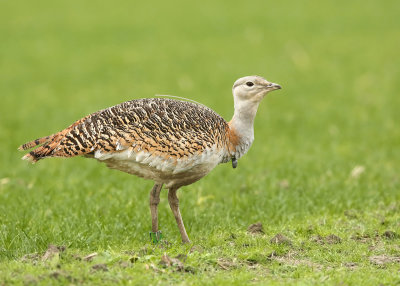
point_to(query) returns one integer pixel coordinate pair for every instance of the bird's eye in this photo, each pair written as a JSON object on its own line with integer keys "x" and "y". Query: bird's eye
{"x": 249, "y": 83}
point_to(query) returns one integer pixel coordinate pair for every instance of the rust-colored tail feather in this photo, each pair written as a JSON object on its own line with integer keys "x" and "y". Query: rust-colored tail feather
{"x": 36, "y": 142}
{"x": 31, "y": 157}
{"x": 66, "y": 143}
{"x": 39, "y": 152}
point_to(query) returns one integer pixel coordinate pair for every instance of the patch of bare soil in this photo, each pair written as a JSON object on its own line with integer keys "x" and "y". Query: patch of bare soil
{"x": 364, "y": 238}
{"x": 291, "y": 258}
{"x": 329, "y": 239}
{"x": 52, "y": 251}
{"x": 227, "y": 264}
{"x": 31, "y": 258}
{"x": 390, "y": 235}
{"x": 175, "y": 263}
{"x": 100, "y": 267}
{"x": 52, "y": 255}
{"x": 56, "y": 274}
{"x": 317, "y": 239}
{"x": 299, "y": 262}
{"x": 377, "y": 246}
{"x": 256, "y": 228}
{"x": 351, "y": 265}
{"x": 59, "y": 274}
{"x": 333, "y": 239}
{"x": 280, "y": 239}
{"x": 384, "y": 259}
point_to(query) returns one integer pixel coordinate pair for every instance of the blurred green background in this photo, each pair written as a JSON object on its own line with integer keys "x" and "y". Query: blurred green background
{"x": 338, "y": 63}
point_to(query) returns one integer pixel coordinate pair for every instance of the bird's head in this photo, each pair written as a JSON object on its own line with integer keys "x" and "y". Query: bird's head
{"x": 252, "y": 88}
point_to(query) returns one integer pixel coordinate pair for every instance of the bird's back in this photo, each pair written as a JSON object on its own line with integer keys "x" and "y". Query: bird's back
{"x": 152, "y": 138}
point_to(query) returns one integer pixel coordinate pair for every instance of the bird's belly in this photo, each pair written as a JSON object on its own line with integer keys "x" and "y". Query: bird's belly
{"x": 167, "y": 170}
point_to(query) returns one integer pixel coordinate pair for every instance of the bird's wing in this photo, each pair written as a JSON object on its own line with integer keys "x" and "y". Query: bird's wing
{"x": 163, "y": 127}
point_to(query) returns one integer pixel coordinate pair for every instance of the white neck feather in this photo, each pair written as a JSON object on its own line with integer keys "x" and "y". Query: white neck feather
{"x": 243, "y": 124}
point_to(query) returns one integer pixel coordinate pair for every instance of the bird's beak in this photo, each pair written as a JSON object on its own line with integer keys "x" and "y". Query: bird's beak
{"x": 273, "y": 86}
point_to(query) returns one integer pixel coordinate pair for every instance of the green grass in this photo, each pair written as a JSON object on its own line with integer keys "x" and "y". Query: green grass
{"x": 338, "y": 63}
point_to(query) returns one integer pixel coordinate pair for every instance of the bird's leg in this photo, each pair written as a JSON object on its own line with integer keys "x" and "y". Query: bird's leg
{"x": 174, "y": 204}
{"x": 155, "y": 234}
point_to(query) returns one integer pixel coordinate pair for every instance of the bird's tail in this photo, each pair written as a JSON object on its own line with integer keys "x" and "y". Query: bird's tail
{"x": 38, "y": 153}
{"x": 33, "y": 143}
{"x": 74, "y": 140}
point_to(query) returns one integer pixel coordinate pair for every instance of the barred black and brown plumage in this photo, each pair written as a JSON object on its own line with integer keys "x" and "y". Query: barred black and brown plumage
{"x": 172, "y": 142}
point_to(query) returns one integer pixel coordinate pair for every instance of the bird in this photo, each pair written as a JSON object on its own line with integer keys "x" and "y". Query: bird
{"x": 171, "y": 142}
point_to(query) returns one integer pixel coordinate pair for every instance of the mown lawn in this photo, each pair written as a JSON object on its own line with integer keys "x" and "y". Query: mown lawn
{"x": 323, "y": 173}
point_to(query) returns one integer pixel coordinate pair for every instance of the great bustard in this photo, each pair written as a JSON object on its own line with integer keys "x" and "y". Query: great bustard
{"x": 172, "y": 142}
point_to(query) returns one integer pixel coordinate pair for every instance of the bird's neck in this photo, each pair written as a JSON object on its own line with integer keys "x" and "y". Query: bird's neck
{"x": 242, "y": 126}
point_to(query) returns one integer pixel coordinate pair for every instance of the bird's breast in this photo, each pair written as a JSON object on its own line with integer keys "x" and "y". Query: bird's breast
{"x": 238, "y": 144}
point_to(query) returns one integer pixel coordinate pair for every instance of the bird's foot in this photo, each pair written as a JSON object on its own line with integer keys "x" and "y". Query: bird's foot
{"x": 156, "y": 237}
